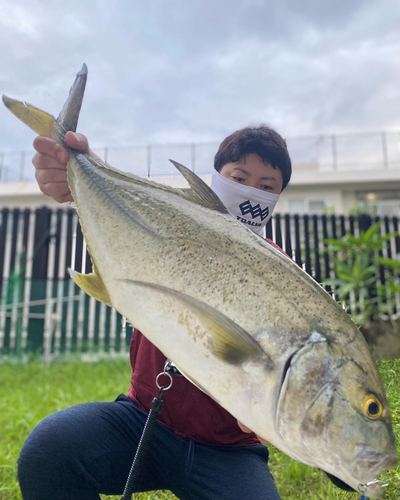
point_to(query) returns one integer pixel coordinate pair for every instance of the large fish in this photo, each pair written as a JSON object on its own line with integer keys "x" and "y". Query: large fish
{"x": 241, "y": 321}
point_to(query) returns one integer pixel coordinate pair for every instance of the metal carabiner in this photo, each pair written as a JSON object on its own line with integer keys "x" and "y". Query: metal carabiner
{"x": 166, "y": 374}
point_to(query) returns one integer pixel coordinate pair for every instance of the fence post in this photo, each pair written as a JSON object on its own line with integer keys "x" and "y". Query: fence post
{"x": 307, "y": 244}
{"x": 395, "y": 221}
{"x": 15, "y": 219}
{"x": 22, "y": 270}
{"x": 364, "y": 222}
{"x": 39, "y": 276}
{"x": 316, "y": 250}
{"x": 278, "y": 230}
{"x": 288, "y": 237}
{"x": 324, "y": 221}
{"x": 297, "y": 251}
{"x": 3, "y": 235}
{"x": 268, "y": 229}
{"x": 351, "y": 224}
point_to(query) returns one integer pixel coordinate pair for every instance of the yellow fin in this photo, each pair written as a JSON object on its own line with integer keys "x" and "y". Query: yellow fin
{"x": 36, "y": 119}
{"x": 92, "y": 284}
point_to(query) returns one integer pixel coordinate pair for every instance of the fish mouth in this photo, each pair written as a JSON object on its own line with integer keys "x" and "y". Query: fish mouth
{"x": 369, "y": 464}
{"x": 373, "y": 462}
{"x": 372, "y": 489}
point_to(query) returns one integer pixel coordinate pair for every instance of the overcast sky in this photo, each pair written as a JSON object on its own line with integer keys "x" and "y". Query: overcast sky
{"x": 174, "y": 71}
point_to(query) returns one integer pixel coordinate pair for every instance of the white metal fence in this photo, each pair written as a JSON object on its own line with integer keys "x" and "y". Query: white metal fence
{"x": 42, "y": 311}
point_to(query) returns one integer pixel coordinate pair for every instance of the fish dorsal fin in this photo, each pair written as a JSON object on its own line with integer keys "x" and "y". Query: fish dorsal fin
{"x": 133, "y": 180}
{"x": 229, "y": 342}
{"x": 204, "y": 194}
{"x": 39, "y": 121}
{"x": 92, "y": 284}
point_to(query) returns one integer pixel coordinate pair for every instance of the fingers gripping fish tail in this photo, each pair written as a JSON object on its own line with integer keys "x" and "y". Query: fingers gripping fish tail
{"x": 45, "y": 124}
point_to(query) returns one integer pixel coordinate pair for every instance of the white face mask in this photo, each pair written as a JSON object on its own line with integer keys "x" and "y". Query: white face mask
{"x": 250, "y": 206}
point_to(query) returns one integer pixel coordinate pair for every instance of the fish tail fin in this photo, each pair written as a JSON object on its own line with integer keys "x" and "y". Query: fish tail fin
{"x": 36, "y": 119}
{"x": 45, "y": 124}
{"x": 68, "y": 118}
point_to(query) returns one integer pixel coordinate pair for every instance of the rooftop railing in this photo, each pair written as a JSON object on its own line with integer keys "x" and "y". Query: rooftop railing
{"x": 339, "y": 152}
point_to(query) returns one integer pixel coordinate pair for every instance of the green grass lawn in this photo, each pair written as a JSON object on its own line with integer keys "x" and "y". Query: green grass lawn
{"x": 30, "y": 392}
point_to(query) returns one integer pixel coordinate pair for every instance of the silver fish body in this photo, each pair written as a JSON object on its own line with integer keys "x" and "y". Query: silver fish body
{"x": 241, "y": 321}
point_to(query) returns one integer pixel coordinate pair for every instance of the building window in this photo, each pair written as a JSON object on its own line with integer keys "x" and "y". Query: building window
{"x": 305, "y": 206}
{"x": 384, "y": 202}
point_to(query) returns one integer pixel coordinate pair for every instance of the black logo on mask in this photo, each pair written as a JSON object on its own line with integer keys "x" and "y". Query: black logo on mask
{"x": 255, "y": 211}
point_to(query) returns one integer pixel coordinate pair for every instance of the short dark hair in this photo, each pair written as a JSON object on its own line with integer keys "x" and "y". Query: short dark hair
{"x": 262, "y": 141}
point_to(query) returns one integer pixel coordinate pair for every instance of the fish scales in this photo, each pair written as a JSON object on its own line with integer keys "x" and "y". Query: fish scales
{"x": 242, "y": 321}
{"x": 193, "y": 243}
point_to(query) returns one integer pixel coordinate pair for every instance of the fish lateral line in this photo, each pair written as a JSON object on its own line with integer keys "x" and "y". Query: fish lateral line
{"x": 98, "y": 178}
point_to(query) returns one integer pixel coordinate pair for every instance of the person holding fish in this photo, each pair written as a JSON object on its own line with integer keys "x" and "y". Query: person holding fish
{"x": 259, "y": 343}
{"x": 200, "y": 451}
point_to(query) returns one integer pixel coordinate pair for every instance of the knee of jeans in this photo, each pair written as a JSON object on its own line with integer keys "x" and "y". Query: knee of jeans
{"x": 42, "y": 449}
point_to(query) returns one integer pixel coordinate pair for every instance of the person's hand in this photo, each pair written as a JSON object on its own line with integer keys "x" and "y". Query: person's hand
{"x": 247, "y": 430}
{"x": 50, "y": 163}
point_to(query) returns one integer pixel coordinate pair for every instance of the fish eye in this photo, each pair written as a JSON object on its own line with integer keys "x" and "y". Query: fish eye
{"x": 372, "y": 407}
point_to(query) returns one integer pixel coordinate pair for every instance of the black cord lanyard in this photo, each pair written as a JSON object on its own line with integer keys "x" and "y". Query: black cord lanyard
{"x": 143, "y": 447}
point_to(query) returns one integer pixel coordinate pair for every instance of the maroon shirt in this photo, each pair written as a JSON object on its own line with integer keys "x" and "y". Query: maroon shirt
{"x": 187, "y": 411}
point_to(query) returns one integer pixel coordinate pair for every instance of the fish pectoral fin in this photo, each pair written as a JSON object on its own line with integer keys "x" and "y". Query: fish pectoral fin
{"x": 39, "y": 121}
{"x": 202, "y": 193}
{"x": 228, "y": 341}
{"x": 92, "y": 284}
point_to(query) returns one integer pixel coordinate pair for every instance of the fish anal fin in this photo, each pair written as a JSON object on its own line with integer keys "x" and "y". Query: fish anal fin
{"x": 92, "y": 284}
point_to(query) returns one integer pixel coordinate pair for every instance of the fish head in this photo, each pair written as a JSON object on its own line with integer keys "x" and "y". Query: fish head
{"x": 334, "y": 415}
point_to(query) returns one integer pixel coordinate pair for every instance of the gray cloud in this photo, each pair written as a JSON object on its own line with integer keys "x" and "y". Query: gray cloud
{"x": 181, "y": 71}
